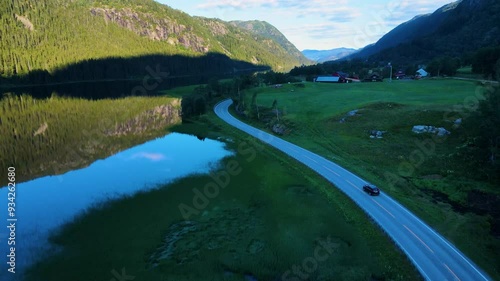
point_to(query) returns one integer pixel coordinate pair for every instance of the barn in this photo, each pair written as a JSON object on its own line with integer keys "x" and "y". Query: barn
{"x": 337, "y": 77}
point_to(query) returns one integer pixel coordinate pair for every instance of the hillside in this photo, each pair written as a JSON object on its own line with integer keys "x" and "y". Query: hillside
{"x": 328, "y": 55}
{"x": 47, "y": 35}
{"x": 453, "y": 30}
{"x": 268, "y": 31}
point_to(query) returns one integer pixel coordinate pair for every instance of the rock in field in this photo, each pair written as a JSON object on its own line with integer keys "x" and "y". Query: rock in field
{"x": 420, "y": 129}
{"x": 377, "y": 134}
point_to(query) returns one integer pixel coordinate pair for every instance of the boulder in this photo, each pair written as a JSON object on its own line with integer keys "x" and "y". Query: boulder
{"x": 441, "y": 132}
{"x": 349, "y": 114}
{"x": 353, "y": 112}
{"x": 457, "y": 123}
{"x": 377, "y": 134}
{"x": 279, "y": 129}
{"x": 420, "y": 129}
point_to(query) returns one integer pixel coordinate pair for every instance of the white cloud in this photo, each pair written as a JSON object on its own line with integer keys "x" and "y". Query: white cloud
{"x": 150, "y": 156}
{"x": 327, "y": 9}
{"x": 236, "y": 4}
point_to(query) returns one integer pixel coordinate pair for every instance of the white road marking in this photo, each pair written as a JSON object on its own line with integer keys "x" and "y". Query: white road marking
{"x": 309, "y": 158}
{"x": 352, "y": 184}
{"x": 383, "y": 208}
{"x": 428, "y": 248}
{"x": 331, "y": 171}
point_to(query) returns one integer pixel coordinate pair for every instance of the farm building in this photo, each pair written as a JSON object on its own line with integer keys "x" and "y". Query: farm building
{"x": 422, "y": 72}
{"x": 399, "y": 75}
{"x": 337, "y": 77}
{"x": 328, "y": 79}
{"x": 374, "y": 77}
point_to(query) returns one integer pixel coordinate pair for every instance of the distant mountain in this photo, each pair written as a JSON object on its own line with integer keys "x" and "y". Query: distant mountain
{"x": 328, "y": 55}
{"x": 266, "y": 30}
{"x": 453, "y": 30}
{"x": 44, "y": 36}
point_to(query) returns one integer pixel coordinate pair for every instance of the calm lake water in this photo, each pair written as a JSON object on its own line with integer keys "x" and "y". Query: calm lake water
{"x": 44, "y": 204}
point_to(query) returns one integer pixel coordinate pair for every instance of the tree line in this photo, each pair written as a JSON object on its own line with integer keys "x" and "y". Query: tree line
{"x": 204, "y": 96}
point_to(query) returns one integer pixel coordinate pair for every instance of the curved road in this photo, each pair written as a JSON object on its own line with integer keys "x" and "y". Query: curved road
{"x": 434, "y": 257}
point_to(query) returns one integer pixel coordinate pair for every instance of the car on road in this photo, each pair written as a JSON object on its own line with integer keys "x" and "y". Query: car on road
{"x": 371, "y": 189}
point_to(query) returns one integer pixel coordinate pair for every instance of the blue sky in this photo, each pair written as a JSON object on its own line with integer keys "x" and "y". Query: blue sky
{"x": 316, "y": 24}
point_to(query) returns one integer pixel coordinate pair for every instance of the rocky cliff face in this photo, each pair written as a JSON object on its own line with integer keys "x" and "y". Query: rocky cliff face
{"x": 266, "y": 30}
{"x": 149, "y": 26}
{"x": 258, "y": 43}
{"x": 154, "y": 119}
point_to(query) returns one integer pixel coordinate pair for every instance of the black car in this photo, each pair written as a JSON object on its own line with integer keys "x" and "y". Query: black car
{"x": 371, "y": 189}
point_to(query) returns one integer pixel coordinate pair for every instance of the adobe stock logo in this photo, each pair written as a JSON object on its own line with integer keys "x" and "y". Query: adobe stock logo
{"x": 427, "y": 147}
{"x": 121, "y": 276}
{"x": 220, "y": 180}
{"x": 378, "y": 24}
{"x": 151, "y": 81}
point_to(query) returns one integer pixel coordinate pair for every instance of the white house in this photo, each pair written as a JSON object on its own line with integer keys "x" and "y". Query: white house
{"x": 422, "y": 72}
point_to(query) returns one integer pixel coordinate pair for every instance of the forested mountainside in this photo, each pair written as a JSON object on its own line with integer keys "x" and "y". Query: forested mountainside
{"x": 43, "y": 37}
{"x": 454, "y": 30}
{"x": 270, "y": 32}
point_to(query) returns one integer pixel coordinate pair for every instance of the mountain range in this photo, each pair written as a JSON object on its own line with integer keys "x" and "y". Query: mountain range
{"x": 328, "y": 55}
{"x": 266, "y": 30}
{"x": 454, "y": 30}
{"x": 40, "y": 39}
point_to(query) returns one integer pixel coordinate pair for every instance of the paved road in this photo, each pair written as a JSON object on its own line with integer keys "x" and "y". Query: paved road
{"x": 434, "y": 257}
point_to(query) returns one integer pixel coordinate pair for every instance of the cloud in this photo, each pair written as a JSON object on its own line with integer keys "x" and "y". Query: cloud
{"x": 320, "y": 21}
{"x": 333, "y": 34}
{"x": 340, "y": 10}
{"x": 394, "y": 12}
{"x": 150, "y": 156}
{"x": 323, "y": 30}
{"x": 238, "y": 4}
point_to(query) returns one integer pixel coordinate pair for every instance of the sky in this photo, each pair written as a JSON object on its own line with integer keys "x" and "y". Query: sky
{"x": 316, "y": 24}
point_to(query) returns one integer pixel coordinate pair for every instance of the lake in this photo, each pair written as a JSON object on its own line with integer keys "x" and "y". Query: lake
{"x": 45, "y": 204}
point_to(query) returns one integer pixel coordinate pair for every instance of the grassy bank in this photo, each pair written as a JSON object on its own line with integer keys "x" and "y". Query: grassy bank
{"x": 272, "y": 215}
{"x": 50, "y": 136}
{"x": 441, "y": 186}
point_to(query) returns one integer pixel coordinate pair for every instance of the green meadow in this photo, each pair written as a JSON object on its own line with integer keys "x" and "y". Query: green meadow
{"x": 427, "y": 174}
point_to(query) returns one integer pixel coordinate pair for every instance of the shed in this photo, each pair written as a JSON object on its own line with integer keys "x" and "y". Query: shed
{"x": 422, "y": 72}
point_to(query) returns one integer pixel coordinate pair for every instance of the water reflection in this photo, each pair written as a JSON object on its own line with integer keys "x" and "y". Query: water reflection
{"x": 46, "y": 203}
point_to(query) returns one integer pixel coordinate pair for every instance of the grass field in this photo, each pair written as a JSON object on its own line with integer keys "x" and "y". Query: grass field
{"x": 270, "y": 218}
{"x": 466, "y": 72}
{"x": 439, "y": 187}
